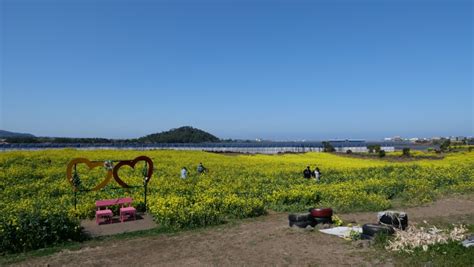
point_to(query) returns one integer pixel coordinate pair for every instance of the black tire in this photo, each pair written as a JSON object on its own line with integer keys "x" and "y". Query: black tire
{"x": 301, "y": 217}
{"x": 397, "y": 222}
{"x": 322, "y": 220}
{"x": 373, "y": 229}
{"x": 366, "y": 237}
{"x": 301, "y": 224}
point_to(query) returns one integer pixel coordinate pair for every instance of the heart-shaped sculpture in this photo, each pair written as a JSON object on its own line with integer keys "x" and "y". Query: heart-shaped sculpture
{"x": 91, "y": 165}
{"x": 132, "y": 164}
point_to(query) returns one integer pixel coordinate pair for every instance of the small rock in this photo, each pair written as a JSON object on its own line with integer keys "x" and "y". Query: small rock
{"x": 326, "y": 226}
{"x": 362, "y": 243}
{"x": 358, "y": 244}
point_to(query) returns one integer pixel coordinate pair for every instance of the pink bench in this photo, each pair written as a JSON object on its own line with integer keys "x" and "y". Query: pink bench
{"x": 105, "y": 213}
{"x": 125, "y": 211}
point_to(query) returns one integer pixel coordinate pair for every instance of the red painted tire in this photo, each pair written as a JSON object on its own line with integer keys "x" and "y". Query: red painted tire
{"x": 321, "y": 213}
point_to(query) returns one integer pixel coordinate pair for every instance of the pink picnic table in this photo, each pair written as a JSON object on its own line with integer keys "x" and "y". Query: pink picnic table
{"x": 125, "y": 210}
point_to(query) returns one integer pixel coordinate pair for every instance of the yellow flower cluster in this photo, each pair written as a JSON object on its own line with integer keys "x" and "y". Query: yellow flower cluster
{"x": 234, "y": 186}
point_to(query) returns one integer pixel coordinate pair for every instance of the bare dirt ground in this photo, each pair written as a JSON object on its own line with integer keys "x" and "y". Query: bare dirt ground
{"x": 266, "y": 240}
{"x": 142, "y": 222}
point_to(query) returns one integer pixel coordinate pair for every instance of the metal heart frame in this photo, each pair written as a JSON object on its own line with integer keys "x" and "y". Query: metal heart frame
{"x": 110, "y": 173}
{"x": 132, "y": 163}
{"x": 91, "y": 165}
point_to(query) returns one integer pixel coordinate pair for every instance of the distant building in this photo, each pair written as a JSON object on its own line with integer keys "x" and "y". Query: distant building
{"x": 423, "y": 140}
{"x": 397, "y": 139}
{"x": 338, "y": 141}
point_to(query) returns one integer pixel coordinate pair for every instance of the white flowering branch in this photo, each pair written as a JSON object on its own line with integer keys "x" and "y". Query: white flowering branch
{"x": 415, "y": 237}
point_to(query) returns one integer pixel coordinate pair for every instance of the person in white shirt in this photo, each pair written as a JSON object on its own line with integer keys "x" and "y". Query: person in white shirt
{"x": 317, "y": 174}
{"x": 184, "y": 173}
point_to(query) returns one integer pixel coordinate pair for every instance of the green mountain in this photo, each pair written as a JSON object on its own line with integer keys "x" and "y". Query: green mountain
{"x": 186, "y": 134}
{"x": 5, "y": 134}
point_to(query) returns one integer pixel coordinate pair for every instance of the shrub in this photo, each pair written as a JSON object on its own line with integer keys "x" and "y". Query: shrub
{"x": 406, "y": 152}
{"x": 354, "y": 235}
{"x": 445, "y": 145}
{"x": 349, "y": 151}
{"x": 327, "y": 147}
{"x": 32, "y": 230}
{"x": 382, "y": 153}
{"x": 373, "y": 148}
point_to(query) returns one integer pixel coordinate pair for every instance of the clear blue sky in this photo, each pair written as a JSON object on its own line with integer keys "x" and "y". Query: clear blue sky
{"x": 239, "y": 69}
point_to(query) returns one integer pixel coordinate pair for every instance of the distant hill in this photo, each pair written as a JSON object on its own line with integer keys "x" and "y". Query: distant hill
{"x": 5, "y": 134}
{"x": 184, "y": 134}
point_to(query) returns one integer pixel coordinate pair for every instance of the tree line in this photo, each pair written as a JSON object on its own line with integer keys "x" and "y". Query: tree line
{"x": 184, "y": 134}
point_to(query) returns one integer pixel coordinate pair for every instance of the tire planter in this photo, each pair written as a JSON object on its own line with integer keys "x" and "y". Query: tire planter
{"x": 301, "y": 220}
{"x": 304, "y": 219}
{"x": 302, "y": 224}
{"x": 319, "y": 220}
{"x": 371, "y": 229}
{"x": 400, "y": 222}
{"x": 313, "y": 223}
{"x": 366, "y": 237}
{"x": 321, "y": 213}
{"x": 299, "y": 217}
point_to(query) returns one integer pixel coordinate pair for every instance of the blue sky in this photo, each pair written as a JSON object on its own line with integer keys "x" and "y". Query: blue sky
{"x": 239, "y": 69}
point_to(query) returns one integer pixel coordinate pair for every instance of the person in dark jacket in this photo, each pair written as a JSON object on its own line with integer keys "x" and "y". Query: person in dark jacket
{"x": 201, "y": 169}
{"x": 307, "y": 173}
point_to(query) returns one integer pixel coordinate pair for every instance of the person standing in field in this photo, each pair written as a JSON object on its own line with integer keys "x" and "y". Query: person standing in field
{"x": 201, "y": 169}
{"x": 317, "y": 174}
{"x": 184, "y": 173}
{"x": 307, "y": 173}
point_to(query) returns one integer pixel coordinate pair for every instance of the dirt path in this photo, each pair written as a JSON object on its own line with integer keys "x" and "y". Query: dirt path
{"x": 262, "y": 241}
{"x": 141, "y": 222}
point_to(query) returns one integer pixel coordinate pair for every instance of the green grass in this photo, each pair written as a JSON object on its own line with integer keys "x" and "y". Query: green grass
{"x": 381, "y": 240}
{"x": 450, "y": 254}
{"x": 18, "y": 257}
{"x": 11, "y": 258}
{"x": 71, "y": 245}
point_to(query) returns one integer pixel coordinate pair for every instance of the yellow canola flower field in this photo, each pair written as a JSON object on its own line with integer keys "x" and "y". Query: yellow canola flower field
{"x": 235, "y": 186}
